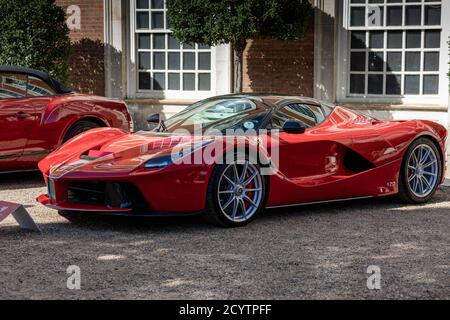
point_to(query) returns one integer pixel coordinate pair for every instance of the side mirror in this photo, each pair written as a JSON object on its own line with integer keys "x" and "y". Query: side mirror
{"x": 154, "y": 119}
{"x": 294, "y": 127}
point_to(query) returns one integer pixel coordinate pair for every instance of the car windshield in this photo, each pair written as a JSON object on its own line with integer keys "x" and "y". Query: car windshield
{"x": 218, "y": 115}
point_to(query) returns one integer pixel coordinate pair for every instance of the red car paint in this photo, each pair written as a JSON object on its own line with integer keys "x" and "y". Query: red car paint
{"x": 33, "y": 127}
{"x": 311, "y": 165}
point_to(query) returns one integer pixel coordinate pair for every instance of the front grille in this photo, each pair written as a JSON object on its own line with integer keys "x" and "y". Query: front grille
{"x": 107, "y": 194}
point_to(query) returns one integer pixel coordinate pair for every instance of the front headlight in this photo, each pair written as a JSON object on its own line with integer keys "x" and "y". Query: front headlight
{"x": 178, "y": 153}
{"x": 158, "y": 163}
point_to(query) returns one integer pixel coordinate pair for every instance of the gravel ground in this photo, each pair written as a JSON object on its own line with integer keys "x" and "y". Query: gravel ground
{"x": 311, "y": 252}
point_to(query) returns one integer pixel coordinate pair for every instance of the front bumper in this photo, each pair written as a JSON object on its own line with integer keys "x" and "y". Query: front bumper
{"x": 66, "y": 206}
{"x": 47, "y": 201}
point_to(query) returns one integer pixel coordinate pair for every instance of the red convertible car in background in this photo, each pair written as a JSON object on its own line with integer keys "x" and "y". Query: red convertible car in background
{"x": 38, "y": 114}
{"x": 325, "y": 153}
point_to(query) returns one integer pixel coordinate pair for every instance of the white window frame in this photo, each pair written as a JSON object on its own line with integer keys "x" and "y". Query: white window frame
{"x": 343, "y": 60}
{"x": 220, "y": 69}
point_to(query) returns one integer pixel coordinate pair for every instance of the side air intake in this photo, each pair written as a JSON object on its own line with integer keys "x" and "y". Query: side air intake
{"x": 357, "y": 163}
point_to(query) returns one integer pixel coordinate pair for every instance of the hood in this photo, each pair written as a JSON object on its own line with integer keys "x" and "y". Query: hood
{"x": 108, "y": 151}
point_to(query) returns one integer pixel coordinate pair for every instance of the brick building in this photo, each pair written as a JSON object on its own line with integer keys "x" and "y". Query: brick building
{"x": 392, "y": 64}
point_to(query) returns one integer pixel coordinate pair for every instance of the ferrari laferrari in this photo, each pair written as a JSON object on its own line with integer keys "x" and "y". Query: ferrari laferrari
{"x": 38, "y": 114}
{"x": 229, "y": 157}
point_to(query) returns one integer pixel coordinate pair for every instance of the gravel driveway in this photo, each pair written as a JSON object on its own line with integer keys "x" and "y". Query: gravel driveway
{"x": 311, "y": 252}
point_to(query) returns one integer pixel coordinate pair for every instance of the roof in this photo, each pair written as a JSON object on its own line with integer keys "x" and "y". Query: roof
{"x": 272, "y": 99}
{"x": 55, "y": 84}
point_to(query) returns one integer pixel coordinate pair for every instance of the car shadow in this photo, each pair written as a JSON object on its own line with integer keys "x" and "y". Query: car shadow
{"x": 376, "y": 207}
{"x": 21, "y": 180}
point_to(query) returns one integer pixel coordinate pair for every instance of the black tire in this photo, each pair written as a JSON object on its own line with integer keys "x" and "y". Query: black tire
{"x": 79, "y": 128}
{"x": 214, "y": 214}
{"x": 406, "y": 193}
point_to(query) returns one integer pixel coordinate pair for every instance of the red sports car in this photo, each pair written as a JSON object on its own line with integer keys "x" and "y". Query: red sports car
{"x": 229, "y": 157}
{"x": 38, "y": 114}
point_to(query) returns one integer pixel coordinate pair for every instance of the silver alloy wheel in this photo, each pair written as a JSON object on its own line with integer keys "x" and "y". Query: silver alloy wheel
{"x": 423, "y": 171}
{"x": 240, "y": 191}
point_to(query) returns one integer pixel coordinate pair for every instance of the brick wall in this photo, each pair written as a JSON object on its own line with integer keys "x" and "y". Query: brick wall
{"x": 280, "y": 66}
{"x": 87, "y": 72}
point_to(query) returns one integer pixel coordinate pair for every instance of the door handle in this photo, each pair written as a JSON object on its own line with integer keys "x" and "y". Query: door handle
{"x": 22, "y": 115}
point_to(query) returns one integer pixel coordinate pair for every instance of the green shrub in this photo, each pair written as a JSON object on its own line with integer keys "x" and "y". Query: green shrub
{"x": 34, "y": 34}
{"x": 215, "y": 22}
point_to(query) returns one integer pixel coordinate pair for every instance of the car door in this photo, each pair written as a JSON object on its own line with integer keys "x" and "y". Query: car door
{"x": 41, "y": 140}
{"x": 302, "y": 156}
{"x": 16, "y": 119}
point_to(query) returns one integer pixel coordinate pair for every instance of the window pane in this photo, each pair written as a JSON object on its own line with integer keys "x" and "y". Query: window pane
{"x": 157, "y": 20}
{"x": 173, "y": 43}
{"x": 188, "y": 46}
{"x": 431, "y": 61}
{"x": 13, "y": 86}
{"x": 159, "y": 41}
{"x": 433, "y": 15}
{"x": 142, "y": 4}
{"x": 144, "y": 81}
{"x": 189, "y": 81}
{"x": 413, "y": 15}
{"x": 144, "y": 41}
{"x": 174, "y": 81}
{"x": 377, "y": 39}
{"x": 358, "y": 16}
{"x": 203, "y": 46}
{"x": 393, "y": 84}
{"x": 159, "y": 60}
{"x": 431, "y": 84}
{"x": 358, "y": 40}
{"x": 157, "y": 4}
{"x": 375, "y": 84}
{"x": 204, "y": 61}
{"x": 376, "y": 61}
{"x": 174, "y": 61}
{"x": 357, "y": 84}
{"x": 394, "y": 61}
{"x": 412, "y": 61}
{"x": 159, "y": 81}
{"x": 204, "y": 81}
{"x": 413, "y": 39}
{"x": 394, "y": 16}
{"x": 143, "y": 20}
{"x": 38, "y": 88}
{"x": 144, "y": 61}
{"x": 358, "y": 61}
{"x": 432, "y": 39}
{"x": 189, "y": 61}
{"x": 412, "y": 84}
{"x": 395, "y": 39}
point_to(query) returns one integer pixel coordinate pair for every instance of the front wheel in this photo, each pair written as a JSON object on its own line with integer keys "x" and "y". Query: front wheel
{"x": 421, "y": 172}
{"x": 236, "y": 194}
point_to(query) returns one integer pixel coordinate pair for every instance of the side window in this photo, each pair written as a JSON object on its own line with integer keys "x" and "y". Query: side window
{"x": 13, "y": 86}
{"x": 310, "y": 116}
{"x": 38, "y": 88}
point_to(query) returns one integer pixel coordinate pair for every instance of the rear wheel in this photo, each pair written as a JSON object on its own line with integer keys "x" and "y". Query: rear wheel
{"x": 421, "y": 172}
{"x": 79, "y": 128}
{"x": 236, "y": 194}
